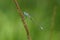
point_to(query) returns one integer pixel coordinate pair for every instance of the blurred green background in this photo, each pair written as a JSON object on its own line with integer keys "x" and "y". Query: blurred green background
{"x": 41, "y": 11}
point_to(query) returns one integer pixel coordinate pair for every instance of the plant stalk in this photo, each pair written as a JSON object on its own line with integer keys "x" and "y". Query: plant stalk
{"x": 23, "y": 19}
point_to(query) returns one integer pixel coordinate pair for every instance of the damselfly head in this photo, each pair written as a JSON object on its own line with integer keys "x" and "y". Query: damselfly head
{"x": 41, "y": 27}
{"x": 26, "y": 14}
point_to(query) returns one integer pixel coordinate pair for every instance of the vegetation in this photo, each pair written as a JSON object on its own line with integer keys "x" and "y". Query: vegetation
{"x": 29, "y": 19}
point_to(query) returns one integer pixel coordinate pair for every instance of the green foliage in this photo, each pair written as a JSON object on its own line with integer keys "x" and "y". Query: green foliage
{"x": 41, "y": 11}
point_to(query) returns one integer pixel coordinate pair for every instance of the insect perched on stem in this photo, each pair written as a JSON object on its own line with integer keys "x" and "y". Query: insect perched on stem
{"x": 32, "y": 19}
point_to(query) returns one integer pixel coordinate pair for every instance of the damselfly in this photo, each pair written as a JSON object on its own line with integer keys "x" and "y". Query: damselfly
{"x": 33, "y": 20}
